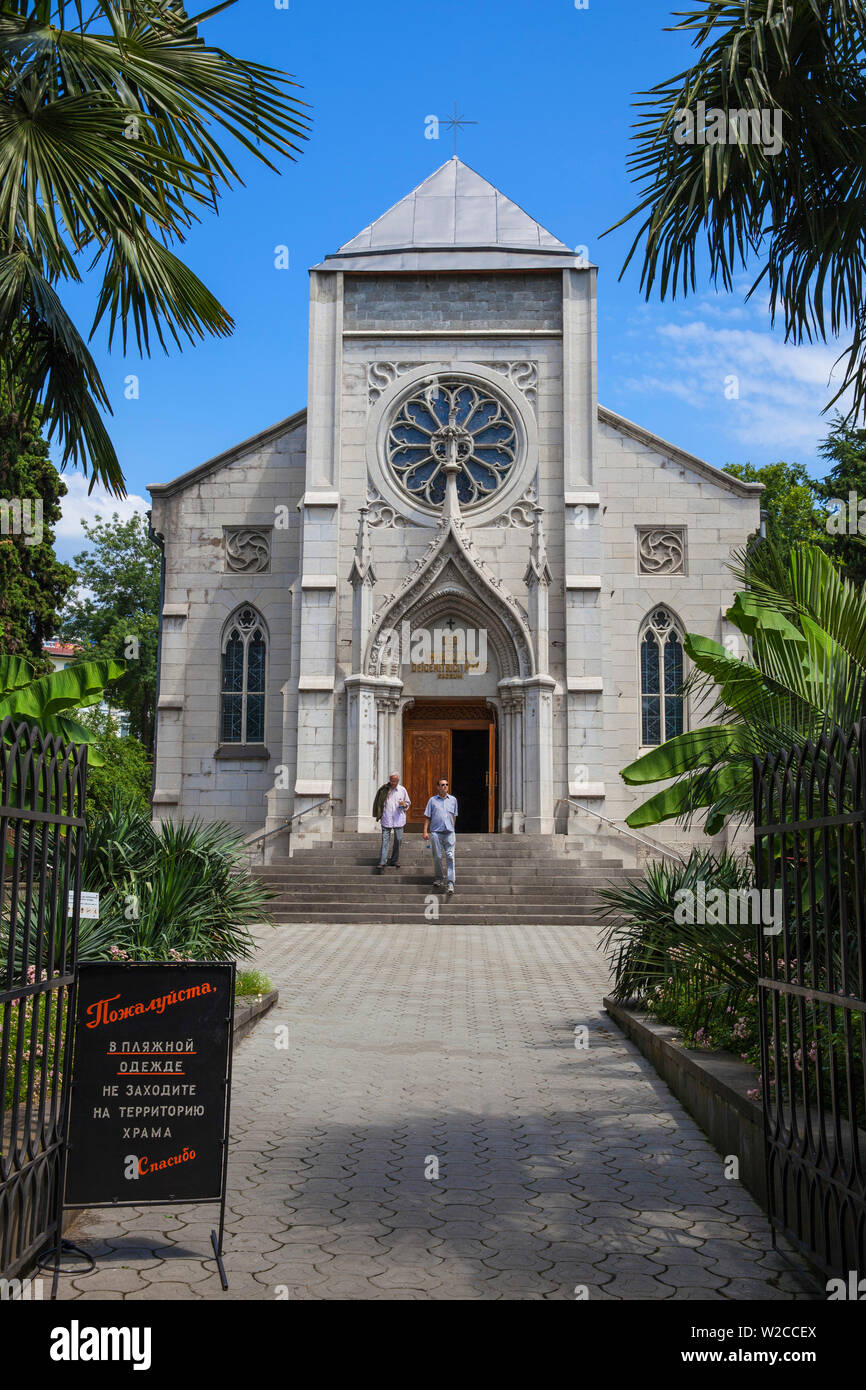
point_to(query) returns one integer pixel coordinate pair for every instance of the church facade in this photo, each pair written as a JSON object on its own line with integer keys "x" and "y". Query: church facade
{"x": 453, "y": 562}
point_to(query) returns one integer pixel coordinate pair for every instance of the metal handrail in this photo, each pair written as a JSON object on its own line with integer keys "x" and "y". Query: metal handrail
{"x": 286, "y": 826}
{"x": 641, "y": 839}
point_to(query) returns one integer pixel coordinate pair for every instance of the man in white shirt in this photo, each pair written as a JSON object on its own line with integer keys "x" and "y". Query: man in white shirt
{"x": 391, "y": 804}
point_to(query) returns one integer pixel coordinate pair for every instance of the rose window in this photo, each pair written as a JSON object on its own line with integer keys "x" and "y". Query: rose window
{"x": 451, "y": 419}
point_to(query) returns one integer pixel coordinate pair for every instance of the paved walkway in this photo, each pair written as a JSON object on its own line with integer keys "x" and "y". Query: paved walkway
{"x": 559, "y": 1169}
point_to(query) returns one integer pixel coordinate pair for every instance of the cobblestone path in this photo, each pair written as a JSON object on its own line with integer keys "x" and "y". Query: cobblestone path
{"x": 559, "y": 1169}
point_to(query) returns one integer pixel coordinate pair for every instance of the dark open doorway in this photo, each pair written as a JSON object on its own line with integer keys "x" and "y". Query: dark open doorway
{"x": 470, "y": 770}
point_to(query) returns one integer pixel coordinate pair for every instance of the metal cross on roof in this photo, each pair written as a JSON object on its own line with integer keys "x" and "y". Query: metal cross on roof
{"x": 455, "y": 123}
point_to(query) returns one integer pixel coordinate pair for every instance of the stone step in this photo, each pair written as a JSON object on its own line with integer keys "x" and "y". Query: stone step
{"x": 416, "y": 862}
{"x": 368, "y": 877}
{"x": 483, "y": 844}
{"x": 572, "y": 903}
{"x": 416, "y": 893}
{"x": 370, "y": 855}
{"x": 425, "y": 868}
{"x": 417, "y": 873}
{"x": 451, "y": 915}
{"x": 488, "y": 844}
{"x": 476, "y": 901}
{"x": 350, "y": 852}
{"x": 500, "y": 880}
{"x": 413, "y": 832}
{"x": 368, "y": 880}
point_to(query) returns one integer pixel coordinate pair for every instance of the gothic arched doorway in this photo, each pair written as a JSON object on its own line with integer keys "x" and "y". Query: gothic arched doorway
{"x": 455, "y": 739}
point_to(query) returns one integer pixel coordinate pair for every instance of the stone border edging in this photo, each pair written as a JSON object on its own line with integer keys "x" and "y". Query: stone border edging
{"x": 711, "y": 1085}
{"x": 248, "y": 1009}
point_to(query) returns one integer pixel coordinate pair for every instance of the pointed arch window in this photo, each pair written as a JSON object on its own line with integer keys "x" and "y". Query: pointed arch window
{"x": 662, "y": 669}
{"x": 244, "y": 661}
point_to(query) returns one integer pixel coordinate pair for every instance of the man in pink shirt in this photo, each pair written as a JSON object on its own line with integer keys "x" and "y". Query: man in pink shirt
{"x": 391, "y": 804}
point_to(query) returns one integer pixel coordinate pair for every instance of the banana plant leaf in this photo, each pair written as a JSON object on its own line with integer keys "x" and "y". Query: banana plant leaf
{"x": 50, "y": 702}
{"x": 689, "y": 794}
{"x": 687, "y": 751}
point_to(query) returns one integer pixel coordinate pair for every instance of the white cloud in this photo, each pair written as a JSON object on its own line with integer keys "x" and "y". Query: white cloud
{"x": 79, "y": 505}
{"x": 781, "y": 388}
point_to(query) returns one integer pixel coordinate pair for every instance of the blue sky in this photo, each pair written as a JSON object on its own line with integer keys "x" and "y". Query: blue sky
{"x": 551, "y": 88}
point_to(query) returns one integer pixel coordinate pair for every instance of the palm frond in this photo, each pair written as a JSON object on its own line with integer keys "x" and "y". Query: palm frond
{"x": 114, "y": 127}
{"x": 797, "y": 210}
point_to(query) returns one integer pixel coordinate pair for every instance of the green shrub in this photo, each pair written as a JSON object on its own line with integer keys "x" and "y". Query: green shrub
{"x": 39, "y": 1021}
{"x": 702, "y": 978}
{"x": 726, "y": 1023}
{"x": 699, "y": 976}
{"x": 252, "y": 982}
{"x": 646, "y": 945}
{"x": 173, "y": 892}
{"x": 126, "y": 771}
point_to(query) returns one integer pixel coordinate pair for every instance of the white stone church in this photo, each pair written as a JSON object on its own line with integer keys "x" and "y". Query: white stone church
{"x": 453, "y": 562}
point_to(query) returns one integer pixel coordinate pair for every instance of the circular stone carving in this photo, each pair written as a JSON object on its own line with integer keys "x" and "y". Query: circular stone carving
{"x": 450, "y": 417}
{"x": 248, "y": 550}
{"x": 661, "y": 549}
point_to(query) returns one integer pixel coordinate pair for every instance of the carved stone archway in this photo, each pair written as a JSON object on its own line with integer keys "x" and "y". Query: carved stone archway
{"x": 449, "y": 582}
{"x": 450, "y": 577}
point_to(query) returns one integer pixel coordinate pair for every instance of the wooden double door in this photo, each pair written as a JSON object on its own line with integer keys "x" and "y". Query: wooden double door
{"x": 455, "y": 740}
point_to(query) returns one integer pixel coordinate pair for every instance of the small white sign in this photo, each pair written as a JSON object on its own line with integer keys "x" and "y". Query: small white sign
{"x": 89, "y": 904}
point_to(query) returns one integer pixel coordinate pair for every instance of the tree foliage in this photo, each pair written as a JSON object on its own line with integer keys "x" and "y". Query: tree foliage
{"x": 33, "y": 582}
{"x": 123, "y": 771}
{"x": 788, "y": 500}
{"x": 115, "y": 612}
{"x": 845, "y": 447}
{"x": 51, "y": 702}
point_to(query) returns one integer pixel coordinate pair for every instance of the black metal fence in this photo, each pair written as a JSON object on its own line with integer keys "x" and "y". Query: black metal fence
{"x": 42, "y": 786}
{"x": 810, "y": 823}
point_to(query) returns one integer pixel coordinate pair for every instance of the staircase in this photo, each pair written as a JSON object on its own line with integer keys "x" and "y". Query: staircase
{"x": 518, "y": 880}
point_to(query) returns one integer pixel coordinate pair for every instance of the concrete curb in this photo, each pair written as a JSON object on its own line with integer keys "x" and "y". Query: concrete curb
{"x": 249, "y": 1009}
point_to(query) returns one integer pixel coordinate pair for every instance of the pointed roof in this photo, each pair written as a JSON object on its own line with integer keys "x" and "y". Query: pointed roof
{"x": 455, "y": 219}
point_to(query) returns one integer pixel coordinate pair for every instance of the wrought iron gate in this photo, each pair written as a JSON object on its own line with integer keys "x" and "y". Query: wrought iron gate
{"x": 810, "y": 823}
{"x": 42, "y": 786}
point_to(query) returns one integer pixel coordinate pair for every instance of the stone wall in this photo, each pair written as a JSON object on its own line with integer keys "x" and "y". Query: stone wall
{"x": 643, "y": 486}
{"x": 258, "y": 486}
{"x": 380, "y": 303}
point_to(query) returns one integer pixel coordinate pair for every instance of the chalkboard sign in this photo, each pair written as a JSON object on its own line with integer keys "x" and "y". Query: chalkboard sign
{"x": 150, "y": 1083}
